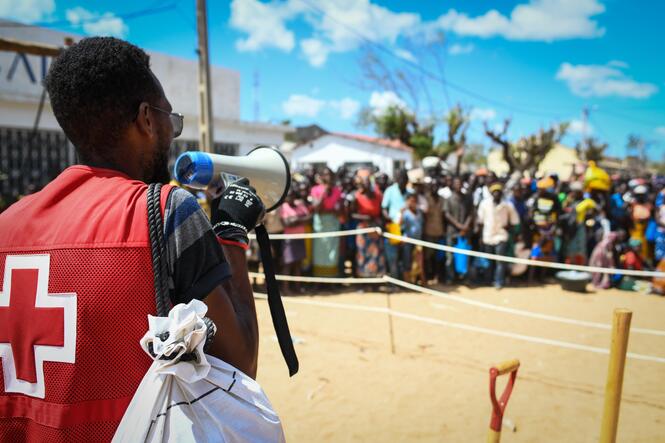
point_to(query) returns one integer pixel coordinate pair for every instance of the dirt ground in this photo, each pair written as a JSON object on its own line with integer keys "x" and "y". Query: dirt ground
{"x": 434, "y": 387}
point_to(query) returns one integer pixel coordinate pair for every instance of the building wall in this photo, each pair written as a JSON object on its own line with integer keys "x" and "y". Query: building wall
{"x": 41, "y": 155}
{"x": 336, "y": 151}
{"x": 20, "y": 92}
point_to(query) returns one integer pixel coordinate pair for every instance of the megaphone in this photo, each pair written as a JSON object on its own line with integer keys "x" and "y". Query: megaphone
{"x": 265, "y": 167}
{"x": 268, "y": 172}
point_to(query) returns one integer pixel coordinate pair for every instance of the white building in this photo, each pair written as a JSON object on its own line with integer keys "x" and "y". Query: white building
{"x": 335, "y": 149}
{"x": 21, "y": 78}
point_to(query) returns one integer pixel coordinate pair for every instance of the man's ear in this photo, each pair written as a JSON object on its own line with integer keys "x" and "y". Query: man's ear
{"x": 144, "y": 121}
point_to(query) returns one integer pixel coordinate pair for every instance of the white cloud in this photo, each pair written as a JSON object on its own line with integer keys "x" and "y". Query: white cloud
{"x": 578, "y": 127}
{"x": 660, "y": 130}
{"x": 93, "y": 23}
{"x": 458, "y": 48}
{"x": 602, "y": 81}
{"x": 302, "y": 105}
{"x": 345, "y": 23}
{"x": 27, "y": 11}
{"x": 380, "y": 101}
{"x": 617, "y": 64}
{"x": 483, "y": 114}
{"x": 337, "y": 29}
{"x": 107, "y": 25}
{"x": 406, "y": 55}
{"x": 264, "y": 23}
{"x": 541, "y": 20}
{"x": 347, "y": 107}
{"x": 315, "y": 51}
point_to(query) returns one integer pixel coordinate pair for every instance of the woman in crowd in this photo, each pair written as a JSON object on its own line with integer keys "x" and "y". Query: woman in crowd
{"x": 294, "y": 215}
{"x": 366, "y": 208}
{"x": 326, "y": 204}
{"x": 545, "y": 210}
{"x": 302, "y": 185}
{"x": 640, "y": 213}
{"x": 578, "y": 209}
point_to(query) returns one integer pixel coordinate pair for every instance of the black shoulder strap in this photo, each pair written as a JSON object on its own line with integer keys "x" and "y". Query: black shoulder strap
{"x": 275, "y": 302}
{"x": 158, "y": 249}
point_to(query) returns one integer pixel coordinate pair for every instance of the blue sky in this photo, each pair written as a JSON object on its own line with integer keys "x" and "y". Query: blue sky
{"x": 534, "y": 61}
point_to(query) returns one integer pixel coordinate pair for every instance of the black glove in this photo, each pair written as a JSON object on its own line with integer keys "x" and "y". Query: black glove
{"x": 238, "y": 212}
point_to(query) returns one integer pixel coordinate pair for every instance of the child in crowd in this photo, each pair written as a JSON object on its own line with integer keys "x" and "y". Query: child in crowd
{"x": 412, "y": 227}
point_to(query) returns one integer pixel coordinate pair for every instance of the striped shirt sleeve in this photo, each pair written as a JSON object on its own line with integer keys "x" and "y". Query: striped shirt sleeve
{"x": 196, "y": 261}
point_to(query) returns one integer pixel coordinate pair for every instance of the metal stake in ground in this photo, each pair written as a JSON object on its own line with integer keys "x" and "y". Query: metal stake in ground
{"x": 618, "y": 348}
{"x": 499, "y": 406}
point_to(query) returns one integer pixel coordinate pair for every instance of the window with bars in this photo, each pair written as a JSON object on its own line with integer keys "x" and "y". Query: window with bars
{"x": 30, "y": 159}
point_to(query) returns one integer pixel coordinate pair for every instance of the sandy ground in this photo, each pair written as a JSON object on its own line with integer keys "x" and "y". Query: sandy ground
{"x": 434, "y": 387}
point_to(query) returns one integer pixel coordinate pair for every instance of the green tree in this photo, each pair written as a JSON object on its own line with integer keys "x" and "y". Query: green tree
{"x": 417, "y": 121}
{"x": 474, "y": 155}
{"x": 396, "y": 122}
{"x": 457, "y": 123}
{"x": 591, "y": 149}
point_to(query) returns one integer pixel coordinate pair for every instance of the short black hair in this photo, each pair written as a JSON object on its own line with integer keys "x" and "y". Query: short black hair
{"x": 96, "y": 87}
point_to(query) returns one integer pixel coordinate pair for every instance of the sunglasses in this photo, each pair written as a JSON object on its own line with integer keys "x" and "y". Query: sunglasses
{"x": 177, "y": 120}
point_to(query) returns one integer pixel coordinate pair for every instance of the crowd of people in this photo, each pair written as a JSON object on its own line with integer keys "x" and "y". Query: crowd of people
{"x": 591, "y": 219}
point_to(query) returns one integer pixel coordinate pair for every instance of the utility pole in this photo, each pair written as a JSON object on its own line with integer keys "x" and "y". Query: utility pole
{"x": 206, "y": 123}
{"x": 585, "y": 126}
{"x": 257, "y": 114}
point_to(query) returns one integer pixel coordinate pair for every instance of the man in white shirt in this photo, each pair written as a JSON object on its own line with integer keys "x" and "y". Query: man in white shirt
{"x": 495, "y": 217}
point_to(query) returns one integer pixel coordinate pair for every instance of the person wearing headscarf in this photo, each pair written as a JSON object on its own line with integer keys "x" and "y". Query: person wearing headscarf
{"x": 366, "y": 208}
{"x": 545, "y": 211}
{"x": 640, "y": 213}
{"x": 327, "y": 205}
{"x": 580, "y": 208}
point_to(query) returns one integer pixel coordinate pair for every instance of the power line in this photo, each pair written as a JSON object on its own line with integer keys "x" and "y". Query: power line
{"x": 381, "y": 47}
{"x": 626, "y": 117}
{"x": 599, "y": 129}
{"x": 517, "y": 109}
{"x": 183, "y": 15}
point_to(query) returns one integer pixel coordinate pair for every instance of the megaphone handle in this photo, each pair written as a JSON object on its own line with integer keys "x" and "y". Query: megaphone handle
{"x": 275, "y": 302}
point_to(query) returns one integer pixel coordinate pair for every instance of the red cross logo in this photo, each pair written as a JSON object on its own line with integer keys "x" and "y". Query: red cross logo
{"x": 35, "y": 326}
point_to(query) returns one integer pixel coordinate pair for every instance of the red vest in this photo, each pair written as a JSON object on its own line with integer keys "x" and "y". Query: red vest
{"x": 77, "y": 286}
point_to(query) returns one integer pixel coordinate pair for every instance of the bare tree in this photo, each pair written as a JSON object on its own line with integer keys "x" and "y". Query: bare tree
{"x": 407, "y": 83}
{"x": 528, "y": 152}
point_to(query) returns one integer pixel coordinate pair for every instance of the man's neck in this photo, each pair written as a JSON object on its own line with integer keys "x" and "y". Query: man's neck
{"x": 110, "y": 164}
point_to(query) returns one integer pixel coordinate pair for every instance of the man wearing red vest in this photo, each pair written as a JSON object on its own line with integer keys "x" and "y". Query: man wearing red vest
{"x": 77, "y": 280}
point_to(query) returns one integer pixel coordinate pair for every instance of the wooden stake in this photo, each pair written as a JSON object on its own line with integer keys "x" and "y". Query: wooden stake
{"x": 620, "y": 332}
{"x": 390, "y": 324}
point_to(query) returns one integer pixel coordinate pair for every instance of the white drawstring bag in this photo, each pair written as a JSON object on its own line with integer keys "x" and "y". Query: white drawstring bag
{"x": 194, "y": 397}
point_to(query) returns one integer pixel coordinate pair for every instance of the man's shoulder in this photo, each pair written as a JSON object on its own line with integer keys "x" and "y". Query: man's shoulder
{"x": 182, "y": 208}
{"x": 390, "y": 193}
{"x": 80, "y": 206}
